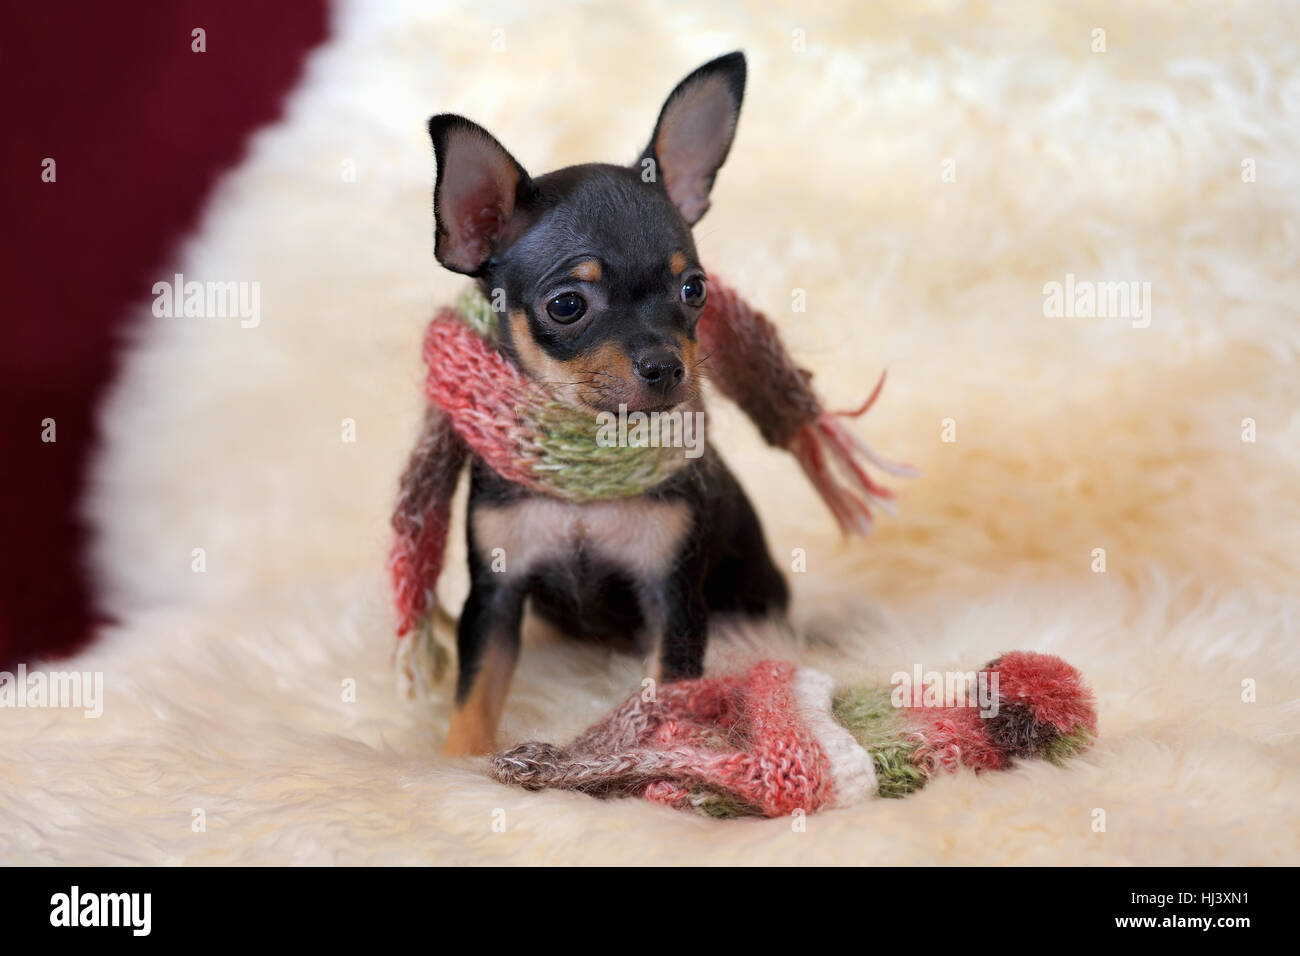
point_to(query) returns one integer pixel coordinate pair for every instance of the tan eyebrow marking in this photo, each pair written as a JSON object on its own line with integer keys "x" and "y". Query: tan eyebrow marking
{"x": 677, "y": 263}
{"x": 587, "y": 271}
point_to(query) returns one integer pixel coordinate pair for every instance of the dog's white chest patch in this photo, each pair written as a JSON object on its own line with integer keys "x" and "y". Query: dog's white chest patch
{"x": 637, "y": 535}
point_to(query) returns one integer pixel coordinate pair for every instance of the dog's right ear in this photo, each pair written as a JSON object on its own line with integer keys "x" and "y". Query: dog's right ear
{"x": 694, "y": 133}
{"x": 475, "y": 193}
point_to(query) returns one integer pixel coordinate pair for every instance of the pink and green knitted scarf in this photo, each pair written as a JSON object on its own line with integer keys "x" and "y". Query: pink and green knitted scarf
{"x": 776, "y": 739}
{"x": 481, "y": 403}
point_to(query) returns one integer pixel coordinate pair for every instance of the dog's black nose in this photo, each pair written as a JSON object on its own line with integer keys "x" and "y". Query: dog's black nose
{"x": 660, "y": 367}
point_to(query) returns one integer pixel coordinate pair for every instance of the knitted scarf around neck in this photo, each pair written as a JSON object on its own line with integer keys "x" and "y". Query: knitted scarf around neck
{"x": 480, "y": 402}
{"x": 526, "y": 431}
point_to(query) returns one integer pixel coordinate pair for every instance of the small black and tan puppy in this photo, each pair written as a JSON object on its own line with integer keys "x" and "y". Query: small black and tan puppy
{"x": 603, "y": 289}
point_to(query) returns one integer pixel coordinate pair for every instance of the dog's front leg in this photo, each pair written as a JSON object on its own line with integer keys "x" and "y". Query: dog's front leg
{"x": 677, "y": 623}
{"x": 487, "y": 641}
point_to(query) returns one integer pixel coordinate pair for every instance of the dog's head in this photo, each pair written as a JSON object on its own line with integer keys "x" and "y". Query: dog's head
{"x": 594, "y": 266}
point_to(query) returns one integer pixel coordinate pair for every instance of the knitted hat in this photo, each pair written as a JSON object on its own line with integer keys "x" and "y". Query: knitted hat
{"x": 778, "y": 738}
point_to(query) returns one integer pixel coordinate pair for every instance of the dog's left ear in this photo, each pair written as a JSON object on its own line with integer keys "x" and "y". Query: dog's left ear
{"x": 694, "y": 133}
{"x": 478, "y": 187}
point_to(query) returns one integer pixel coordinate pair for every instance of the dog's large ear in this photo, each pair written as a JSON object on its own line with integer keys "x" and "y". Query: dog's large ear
{"x": 694, "y": 133}
{"x": 475, "y": 194}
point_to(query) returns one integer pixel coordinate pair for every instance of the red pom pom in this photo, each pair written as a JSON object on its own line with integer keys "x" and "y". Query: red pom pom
{"x": 1052, "y": 690}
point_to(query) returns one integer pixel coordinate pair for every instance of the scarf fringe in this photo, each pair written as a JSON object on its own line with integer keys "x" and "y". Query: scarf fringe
{"x": 750, "y": 365}
{"x": 826, "y": 443}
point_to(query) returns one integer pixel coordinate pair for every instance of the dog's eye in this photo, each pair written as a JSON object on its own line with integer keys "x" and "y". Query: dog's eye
{"x": 566, "y": 308}
{"x": 694, "y": 292}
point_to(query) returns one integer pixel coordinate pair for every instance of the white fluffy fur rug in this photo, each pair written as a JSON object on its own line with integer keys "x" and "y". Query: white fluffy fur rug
{"x": 224, "y": 689}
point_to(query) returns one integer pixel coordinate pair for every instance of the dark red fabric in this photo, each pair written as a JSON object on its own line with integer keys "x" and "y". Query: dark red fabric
{"x": 139, "y": 126}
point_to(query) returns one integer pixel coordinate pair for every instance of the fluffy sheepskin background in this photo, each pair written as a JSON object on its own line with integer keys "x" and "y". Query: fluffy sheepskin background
{"x": 224, "y": 689}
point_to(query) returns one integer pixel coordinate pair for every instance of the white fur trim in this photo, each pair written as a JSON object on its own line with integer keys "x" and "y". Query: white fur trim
{"x": 852, "y": 769}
